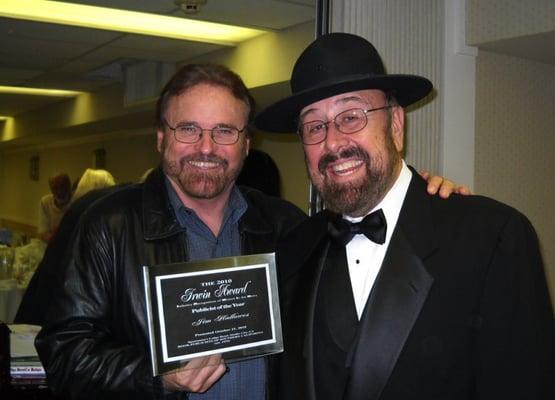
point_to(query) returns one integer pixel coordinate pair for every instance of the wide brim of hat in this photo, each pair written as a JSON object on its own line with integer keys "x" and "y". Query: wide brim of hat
{"x": 281, "y": 117}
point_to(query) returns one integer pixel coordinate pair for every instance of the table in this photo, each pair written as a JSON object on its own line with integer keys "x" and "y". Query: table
{"x": 10, "y": 298}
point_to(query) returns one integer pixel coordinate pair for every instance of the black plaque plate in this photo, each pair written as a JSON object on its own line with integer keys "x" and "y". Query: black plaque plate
{"x": 225, "y": 306}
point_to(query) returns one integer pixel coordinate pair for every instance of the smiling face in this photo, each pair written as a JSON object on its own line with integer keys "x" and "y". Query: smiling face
{"x": 203, "y": 170}
{"x": 353, "y": 172}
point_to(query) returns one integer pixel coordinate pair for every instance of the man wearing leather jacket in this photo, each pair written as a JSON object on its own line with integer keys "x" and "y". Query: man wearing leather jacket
{"x": 95, "y": 340}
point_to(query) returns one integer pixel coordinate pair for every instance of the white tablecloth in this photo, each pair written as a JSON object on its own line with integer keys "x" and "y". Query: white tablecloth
{"x": 10, "y": 297}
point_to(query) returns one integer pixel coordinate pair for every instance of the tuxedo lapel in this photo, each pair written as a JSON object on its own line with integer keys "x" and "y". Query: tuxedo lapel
{"x": 396, "y": 299}
{"x": 294, "y": 251}
{"x": 301, "y": 263}
{"x": 337, "y": 293}
{"x": 392, "y": 308}
{"x": 319, "y": 260}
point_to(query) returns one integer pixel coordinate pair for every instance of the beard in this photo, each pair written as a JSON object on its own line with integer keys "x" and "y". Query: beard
{"x": 359, "y": 196}
{"x": 197, "y": 184}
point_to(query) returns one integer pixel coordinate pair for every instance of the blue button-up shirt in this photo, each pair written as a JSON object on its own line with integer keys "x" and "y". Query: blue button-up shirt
{"x": 245, "y": 379}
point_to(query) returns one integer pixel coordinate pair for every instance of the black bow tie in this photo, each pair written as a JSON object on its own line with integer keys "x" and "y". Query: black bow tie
{"x": 373, "y": 226}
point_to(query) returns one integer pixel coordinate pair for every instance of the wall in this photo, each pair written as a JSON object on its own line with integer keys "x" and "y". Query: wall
{"x": 500, "y": 19}
{"x": 263, "y": 61}
{"x": 515, "y": 99}
{"x": 409, "y": 37}
{"x": 126, "y": 158}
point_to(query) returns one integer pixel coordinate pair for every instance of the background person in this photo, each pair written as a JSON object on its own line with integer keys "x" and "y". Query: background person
{"x": 53, "y": 205}
{"x": 93, "y": 179}
{"x": 261, "y": 172}
{"x": 49, "y": 275}
{"x": 94, "y": 343}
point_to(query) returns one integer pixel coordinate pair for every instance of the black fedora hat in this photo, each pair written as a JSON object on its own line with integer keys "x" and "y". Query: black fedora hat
{"x": 333, "y": 64}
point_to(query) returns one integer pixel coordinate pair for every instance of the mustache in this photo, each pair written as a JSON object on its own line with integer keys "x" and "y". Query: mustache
{"x": 329, "y": 158}
{"x": 199, "y": 157}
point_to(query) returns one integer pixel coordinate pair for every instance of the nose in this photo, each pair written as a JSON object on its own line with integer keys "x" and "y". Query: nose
{"x": 335, "y": 140}
{"x": 205, "y": 143}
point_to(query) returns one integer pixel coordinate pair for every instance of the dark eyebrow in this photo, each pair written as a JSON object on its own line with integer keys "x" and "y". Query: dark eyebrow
{"x": 218, "y": 125}
{"x": 182, "y": 123}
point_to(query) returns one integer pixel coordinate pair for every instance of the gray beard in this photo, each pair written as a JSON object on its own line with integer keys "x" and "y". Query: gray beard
{"x": 356, "y": 198}
{"x": 359, "y": 197}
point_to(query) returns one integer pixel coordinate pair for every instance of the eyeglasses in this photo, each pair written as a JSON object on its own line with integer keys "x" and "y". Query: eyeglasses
{"x": 347, "y": 122}
{"x": 191, "y": 133}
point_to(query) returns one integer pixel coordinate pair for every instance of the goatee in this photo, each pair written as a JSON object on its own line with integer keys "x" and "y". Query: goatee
{"x": 197, "y": 183}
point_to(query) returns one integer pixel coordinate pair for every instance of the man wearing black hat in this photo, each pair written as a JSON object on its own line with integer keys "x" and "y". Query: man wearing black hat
{"x": 390, "y": 293}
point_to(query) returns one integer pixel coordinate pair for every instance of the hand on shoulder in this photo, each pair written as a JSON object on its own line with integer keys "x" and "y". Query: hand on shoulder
{"x": 442, "y": 186}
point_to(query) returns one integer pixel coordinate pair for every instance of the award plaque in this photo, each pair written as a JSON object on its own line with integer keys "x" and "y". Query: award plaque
{"x": 227, "y": 306}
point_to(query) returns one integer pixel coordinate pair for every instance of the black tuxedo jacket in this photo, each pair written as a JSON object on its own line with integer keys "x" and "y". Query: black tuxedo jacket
{"x": 459, "y": 310}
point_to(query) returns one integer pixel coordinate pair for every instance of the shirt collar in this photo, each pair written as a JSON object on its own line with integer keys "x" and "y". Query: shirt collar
{"x": 235, "y": 208}
{"x": 393, "y": 200}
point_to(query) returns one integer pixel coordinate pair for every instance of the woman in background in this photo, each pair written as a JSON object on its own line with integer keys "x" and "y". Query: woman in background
{"x": 93, "y": 184}
{"x": 93, "y": 179}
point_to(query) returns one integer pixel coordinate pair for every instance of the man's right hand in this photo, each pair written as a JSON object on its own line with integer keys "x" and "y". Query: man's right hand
{"x": 197, "y": 376}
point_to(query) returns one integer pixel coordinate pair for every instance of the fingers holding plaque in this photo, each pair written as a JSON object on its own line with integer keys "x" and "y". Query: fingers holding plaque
{"x": 225, "y": 306}
{"x": 198, "y": 375}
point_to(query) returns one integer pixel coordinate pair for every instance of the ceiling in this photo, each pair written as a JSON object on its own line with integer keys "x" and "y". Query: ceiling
{"x": 538, "y": 47}
{"x": 34, "y": 54}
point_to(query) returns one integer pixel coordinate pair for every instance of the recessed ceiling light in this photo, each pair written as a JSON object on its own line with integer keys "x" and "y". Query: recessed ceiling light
{"x": 39, "y": 91}
{"x": 112, "y": 19}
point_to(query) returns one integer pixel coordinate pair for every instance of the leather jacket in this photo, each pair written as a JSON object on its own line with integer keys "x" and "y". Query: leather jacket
{"x": 94, "y": 343}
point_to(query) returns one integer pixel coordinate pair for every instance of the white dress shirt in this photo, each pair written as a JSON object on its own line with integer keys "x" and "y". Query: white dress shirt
{"x": 365, "y": 257}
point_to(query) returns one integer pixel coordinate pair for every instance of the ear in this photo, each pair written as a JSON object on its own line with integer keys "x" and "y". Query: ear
{"x": 398, "y": 127}
{"x": 159, "y": 140}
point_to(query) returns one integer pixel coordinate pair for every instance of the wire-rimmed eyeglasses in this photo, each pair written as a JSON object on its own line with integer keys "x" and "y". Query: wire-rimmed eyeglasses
{"x": 347, "y": 122}
{"x": 191, "y": 133}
